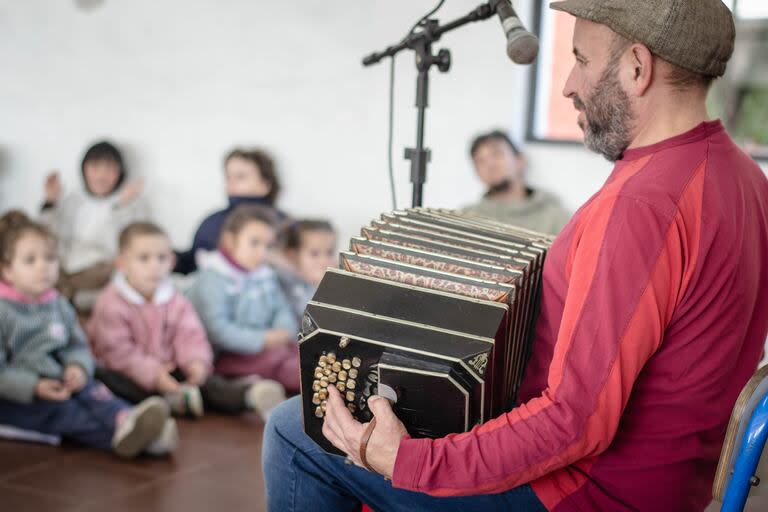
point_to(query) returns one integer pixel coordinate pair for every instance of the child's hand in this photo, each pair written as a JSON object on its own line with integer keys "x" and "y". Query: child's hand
{"x": 130, "y": 191}
{"x": 75, "y": 378}
{"x": 52, "y": 187}
{"x": 196, "y": 373}
{"x": 51, "y": 389}
{"x": 165, "y": 383}
{"x": 277, "y": 337}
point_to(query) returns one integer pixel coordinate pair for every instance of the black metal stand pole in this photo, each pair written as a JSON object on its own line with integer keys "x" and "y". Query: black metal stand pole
{"x": 421, "y": 44}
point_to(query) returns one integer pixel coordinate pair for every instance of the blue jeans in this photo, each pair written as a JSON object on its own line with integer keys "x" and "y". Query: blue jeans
{"x": 87, "y": 418}
{"x": 301, "y": 476}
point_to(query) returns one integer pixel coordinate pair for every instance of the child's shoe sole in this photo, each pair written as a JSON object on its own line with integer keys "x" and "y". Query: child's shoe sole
{"x": 149, "y": 419}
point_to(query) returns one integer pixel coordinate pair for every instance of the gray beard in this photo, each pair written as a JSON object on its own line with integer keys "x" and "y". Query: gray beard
{"x": 609, "y": 116}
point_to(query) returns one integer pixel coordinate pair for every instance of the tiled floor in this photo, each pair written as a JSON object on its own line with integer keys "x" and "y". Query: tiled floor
{"x": 217, "y": 468}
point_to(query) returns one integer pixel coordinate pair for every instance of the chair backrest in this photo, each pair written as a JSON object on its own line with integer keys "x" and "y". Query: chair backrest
{"x": 753, "y": 392}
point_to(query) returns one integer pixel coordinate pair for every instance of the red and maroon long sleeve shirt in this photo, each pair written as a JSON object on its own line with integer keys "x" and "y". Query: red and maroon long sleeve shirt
{"x": 653, "y": 317}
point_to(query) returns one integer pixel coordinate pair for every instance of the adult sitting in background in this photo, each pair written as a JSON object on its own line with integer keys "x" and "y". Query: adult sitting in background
{"x": 500, "y": 166}
{"x": 250, "y": 179}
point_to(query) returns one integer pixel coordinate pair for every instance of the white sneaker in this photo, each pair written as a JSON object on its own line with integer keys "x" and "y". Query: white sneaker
{"x": 187, "y": 401}
{"x": 143, "y": 424}
{"x": 167, "y": 441}
{"x": 263, "y": 396}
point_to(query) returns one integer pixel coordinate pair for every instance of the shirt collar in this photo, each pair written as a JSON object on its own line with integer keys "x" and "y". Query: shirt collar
{"x": 10, "y": 293}
{"x": 163, "y": 294}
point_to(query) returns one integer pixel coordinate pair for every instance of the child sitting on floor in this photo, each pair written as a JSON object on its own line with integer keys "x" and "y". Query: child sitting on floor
{"x": 238, "y": 298}
{"x": 45, "y": 366}
{"x": 87, "y": 222}
{"x": 310, "y": 247}
{"x": 251, "y": 178}
{"x": 148, "y": 339}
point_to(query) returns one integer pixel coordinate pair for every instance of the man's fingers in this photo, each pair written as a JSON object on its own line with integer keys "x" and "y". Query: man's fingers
{"x": 332, "y": 428}
{"x": 351, "y": 430}
{"x": 331, "y": 436}
{"x": 334, "y": 413}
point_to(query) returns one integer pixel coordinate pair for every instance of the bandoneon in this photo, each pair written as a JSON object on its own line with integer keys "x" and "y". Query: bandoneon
{"x": 430, "y": 308}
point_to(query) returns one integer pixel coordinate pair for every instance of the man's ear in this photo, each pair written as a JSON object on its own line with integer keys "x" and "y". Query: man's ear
{"x": 641, "y": 72}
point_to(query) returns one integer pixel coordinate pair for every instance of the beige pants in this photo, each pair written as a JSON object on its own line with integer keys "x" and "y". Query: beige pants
{"x": 90, "y": 279}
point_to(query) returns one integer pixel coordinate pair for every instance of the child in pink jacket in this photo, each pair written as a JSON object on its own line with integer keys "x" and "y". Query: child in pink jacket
{"x": 148, "y": 339}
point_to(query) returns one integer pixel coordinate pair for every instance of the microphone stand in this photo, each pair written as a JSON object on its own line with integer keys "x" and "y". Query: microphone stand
{"x": 421, "y": 44}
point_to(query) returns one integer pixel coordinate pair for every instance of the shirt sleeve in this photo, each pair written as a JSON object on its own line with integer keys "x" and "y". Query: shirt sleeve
{"x": 16, "y": 384}
{"x": 115, "y": 344}
{"x": 285, "y": 318}
{"x": 186, "y": 262}
{"x": 624, "y": 270}
{"x": 189, "y": 341}
{"x": 215, "y": 310}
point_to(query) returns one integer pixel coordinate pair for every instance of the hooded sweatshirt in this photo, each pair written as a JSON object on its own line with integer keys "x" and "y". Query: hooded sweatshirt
{"x": 540, "y": 211}
{"x": 38, "y": 338}
{"x": 140, "y": 338}
{"x": 238, "y": 307}
{"x": 88, "y": 227}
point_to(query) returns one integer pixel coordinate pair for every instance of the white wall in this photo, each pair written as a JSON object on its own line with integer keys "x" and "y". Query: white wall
{"x": 179, "y": 82}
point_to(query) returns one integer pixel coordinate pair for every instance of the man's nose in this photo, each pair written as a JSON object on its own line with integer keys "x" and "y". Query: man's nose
{"x": 569, "y": 89}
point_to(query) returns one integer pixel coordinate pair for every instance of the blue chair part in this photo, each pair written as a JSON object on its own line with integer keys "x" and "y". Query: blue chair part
{"x": 743, "y": 446}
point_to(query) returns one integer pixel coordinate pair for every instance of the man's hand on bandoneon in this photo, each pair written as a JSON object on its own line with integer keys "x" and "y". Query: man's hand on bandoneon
{"x": 346, "y": 434}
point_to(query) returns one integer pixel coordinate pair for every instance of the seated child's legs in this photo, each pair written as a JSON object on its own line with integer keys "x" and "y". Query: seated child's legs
{"x": 187, "y": 401}
{"x": 224, "y": 395}
{"x": 217, "y": 393}
{"x": 94, "y": 417}
{"x": 122, "y": 386}
{"x": 236, "y": 396}
{"x": 89, "y": 417}
{"x": 277, "y": 363}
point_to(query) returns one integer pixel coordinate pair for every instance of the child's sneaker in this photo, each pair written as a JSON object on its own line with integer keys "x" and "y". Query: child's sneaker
{"x": 187, "y": 401}
{"x": 139, "y": 427}
{"x": 167, "y": 441}
{"x": 263, "y": 396}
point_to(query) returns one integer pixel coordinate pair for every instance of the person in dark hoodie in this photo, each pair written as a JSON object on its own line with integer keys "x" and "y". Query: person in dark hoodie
{"x": 87, "y": 222}
{"x": 500, "y": 166}
{"x": 251, "y": 178}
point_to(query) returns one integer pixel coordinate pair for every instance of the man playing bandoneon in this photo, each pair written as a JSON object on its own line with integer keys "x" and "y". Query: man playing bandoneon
{"x": 654, "y": 308}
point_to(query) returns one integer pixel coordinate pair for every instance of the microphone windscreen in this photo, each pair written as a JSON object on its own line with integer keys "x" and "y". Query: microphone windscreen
{"x": 523, "y": 47}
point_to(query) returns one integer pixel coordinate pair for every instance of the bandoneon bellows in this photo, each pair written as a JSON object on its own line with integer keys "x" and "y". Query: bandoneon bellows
{"x": 434, "y": 310}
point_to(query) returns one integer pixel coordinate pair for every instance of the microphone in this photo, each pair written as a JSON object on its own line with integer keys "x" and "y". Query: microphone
{"x": 522, "y": 46}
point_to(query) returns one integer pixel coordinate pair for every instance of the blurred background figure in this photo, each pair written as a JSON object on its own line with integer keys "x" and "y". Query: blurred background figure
{"x": 501, "y": 167}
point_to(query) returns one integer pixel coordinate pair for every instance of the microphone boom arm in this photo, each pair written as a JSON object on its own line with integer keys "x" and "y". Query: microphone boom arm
{"x": 421, "y": 43}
